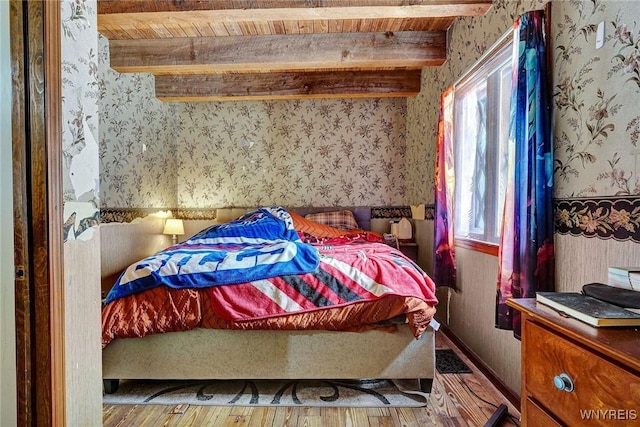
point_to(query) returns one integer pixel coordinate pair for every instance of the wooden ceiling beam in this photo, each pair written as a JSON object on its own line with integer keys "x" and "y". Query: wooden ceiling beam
{"x": 260, "y": 54}
{"x": 143, "y": 26}
{"x": 466, "y": 7}
{"x": 235, "y": 87}
{"x": 202, "y": 22}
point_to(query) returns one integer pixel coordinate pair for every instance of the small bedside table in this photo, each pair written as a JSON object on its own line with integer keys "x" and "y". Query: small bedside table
{"x": 409, "y": 248}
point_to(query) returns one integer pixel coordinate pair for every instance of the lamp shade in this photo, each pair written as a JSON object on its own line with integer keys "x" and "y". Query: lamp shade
{"x": 173, "y": 226}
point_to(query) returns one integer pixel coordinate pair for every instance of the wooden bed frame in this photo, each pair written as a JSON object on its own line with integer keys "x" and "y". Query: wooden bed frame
{"x": 265, "y": 354}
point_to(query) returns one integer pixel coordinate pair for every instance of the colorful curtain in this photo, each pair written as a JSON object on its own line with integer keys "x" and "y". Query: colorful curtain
{"x": 444, "y": 269}
{"x": 526, "y": 259}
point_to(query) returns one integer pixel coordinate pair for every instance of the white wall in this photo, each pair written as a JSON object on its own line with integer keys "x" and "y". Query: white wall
{"x": 7, "y": 314}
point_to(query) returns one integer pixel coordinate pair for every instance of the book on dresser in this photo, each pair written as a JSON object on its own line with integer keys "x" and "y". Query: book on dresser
{"x": 624, "y": 277}
{"x": 588, "y": 309}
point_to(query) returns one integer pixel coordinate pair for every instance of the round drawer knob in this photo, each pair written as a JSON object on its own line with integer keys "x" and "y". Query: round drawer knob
{"x": 563, "y": 382}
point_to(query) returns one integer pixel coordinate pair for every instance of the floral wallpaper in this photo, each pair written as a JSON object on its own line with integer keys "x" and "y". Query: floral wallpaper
{"x": 80, "y": 93}
{"x": 320, "y": 152}
{"x": 137, "y": 142}
{"x": 596, "y": 93}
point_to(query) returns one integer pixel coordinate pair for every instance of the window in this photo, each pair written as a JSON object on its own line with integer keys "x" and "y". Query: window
{"x": 480, "y": 134}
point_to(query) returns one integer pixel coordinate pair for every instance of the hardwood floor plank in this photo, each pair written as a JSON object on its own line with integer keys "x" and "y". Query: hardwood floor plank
{"x": 240, "y": 411}
{"x": 332, "y": 416}
{"x": 193, "y": 416}
{"x": 407, "y": 417}
{"x": 356, "y": 417}
{"x": 178, "y": 409}
{"x": 378, "y": 412}
{"x": 147, "y": 415}
{"x": 428, "y": 416}
{"x": 378, "y": 421}
{"x": 286, "y": 417}
{"x": 197, "y": 416}
{"x": 262, "y": 417}
{"x": 440, "y": 401}
{"x": 469, "y": 408}
{"x": 115, "y": 414}
{"x": 485, "y": 390}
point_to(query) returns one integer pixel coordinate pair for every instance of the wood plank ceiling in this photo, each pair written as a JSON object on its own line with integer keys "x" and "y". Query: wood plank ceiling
{"x": 267, "y": 49}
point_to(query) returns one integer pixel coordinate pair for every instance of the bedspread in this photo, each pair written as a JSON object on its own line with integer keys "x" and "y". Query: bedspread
{"x": 358, "y": 286}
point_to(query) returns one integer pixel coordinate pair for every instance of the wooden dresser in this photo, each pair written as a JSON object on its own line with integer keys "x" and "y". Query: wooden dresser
{"x": 574, "y": 374}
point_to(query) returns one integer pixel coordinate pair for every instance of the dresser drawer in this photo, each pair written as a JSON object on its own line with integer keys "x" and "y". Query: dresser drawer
{"x": 603, "y": 393}
{"x": 536, "y": 416}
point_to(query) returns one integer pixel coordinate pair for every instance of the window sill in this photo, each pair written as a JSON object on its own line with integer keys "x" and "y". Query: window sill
{"x": 475, "y": 245}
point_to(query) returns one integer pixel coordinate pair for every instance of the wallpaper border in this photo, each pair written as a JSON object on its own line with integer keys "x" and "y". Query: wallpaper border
{"x": 382, "y": 212}
{"x": 605, "y": 218}
{"x": 130, "y": 214}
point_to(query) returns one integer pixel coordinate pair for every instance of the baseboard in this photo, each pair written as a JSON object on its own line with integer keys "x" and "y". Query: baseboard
{"x": 511, "y": 396}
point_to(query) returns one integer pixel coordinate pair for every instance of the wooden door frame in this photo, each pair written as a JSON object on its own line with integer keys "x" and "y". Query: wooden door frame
{"x": 37, "y": 191}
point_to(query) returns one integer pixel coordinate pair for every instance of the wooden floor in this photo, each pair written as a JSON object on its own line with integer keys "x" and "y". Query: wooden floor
{"x": 456, "y": 400}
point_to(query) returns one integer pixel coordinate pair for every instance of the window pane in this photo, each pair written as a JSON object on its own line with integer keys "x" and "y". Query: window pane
{"x": 503, "y": 139}
{"x": 480, "y": 135}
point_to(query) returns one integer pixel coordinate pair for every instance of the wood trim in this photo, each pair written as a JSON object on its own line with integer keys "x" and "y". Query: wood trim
{"x": 41, "y": 378}
{"x": 511, "y": 395}
{"x": 20, "y": 219}
{"x": 477, "y": 246}
{"x": 53, "y": 123}
{"x": 37, "y": 183}
{"x": 40, "y": 332}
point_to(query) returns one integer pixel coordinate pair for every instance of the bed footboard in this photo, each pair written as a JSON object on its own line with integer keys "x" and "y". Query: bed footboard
{"x": 224, "y": 354}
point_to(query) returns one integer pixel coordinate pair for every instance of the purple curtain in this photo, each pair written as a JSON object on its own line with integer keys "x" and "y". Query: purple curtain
{"x": 444, "y": 269}
{"x": 526, "y": 259}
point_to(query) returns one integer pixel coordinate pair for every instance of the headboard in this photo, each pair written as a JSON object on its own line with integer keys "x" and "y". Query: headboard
{"x": 361, "y": 213}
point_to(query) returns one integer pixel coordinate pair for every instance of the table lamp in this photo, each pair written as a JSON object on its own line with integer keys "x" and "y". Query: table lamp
{"x": 175, "y": 227}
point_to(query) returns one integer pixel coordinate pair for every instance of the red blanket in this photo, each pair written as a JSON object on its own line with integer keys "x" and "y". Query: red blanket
{"x": 347, "y": 273}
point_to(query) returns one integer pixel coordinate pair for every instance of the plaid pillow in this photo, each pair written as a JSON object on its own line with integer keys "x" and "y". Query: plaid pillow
{"x": 343, "y": 220}
{"x": 312, "y": 228}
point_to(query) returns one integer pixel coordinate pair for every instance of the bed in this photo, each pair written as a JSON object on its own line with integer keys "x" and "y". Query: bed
{"x": 230, "y": 333}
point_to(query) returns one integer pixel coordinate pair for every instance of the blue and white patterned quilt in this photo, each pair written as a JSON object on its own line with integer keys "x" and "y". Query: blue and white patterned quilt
{"x": 258, "y": 245}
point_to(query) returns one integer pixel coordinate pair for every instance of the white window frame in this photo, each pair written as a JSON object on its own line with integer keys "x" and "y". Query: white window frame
{"x": 478, "y": 214}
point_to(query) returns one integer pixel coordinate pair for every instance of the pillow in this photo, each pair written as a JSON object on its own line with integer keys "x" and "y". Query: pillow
{"x": 304, "y": 225}
{"x": 343, "y": 220}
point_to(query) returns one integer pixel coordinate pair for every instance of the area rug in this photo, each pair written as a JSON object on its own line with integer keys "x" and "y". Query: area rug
{"x": 448, "y": 362}
{"x": 330, "y": 393}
